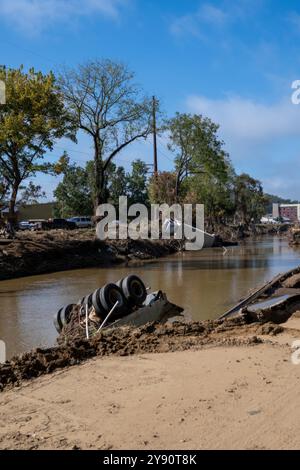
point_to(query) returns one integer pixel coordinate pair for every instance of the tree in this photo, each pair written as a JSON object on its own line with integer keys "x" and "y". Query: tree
{"x": 162, "y": 188}
{"x": 137, "y": 183}
{"x": 249, "y": 199}
{"x": 33, "y": 117}
{"x": 31, "y": 194}
{"x": 117, "y": 183}
{"x": 197, "y": 148}
{"x": 110, "y": 108}
{"x": 73, "y": 194}
{"x": 214, "y": 194}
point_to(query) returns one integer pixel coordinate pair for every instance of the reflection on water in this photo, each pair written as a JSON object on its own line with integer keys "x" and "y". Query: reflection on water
{"x": 205, "y": 283}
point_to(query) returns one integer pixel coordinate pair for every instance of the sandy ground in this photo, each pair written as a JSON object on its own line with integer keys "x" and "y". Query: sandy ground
{"x": 216, "y": 397}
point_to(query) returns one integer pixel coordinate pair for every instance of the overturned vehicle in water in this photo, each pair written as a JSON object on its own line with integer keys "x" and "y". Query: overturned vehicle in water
{"x": 124, "y": 303}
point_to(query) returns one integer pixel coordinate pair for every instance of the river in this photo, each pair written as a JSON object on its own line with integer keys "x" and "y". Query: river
{"x": 205, "y": 283}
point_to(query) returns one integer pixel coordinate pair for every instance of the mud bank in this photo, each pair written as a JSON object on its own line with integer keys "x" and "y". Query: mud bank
{"x": 151, "y": 338}
{"x": 58, "y": 250}
{"x": 232, "y": 234}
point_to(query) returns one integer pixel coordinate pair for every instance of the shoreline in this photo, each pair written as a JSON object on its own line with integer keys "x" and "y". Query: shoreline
{"x": 128, "y": 341}
{"x": 210, "y": 392}
{"x": 55, "y": 251}
{"x": 35, "y": 253}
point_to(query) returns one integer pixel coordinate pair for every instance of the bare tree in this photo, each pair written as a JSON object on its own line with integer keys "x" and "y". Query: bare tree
{"x": 110, "y": 108}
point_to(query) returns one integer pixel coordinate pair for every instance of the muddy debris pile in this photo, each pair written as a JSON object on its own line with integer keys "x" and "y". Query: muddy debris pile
{"x": 33, "y": 253}
{"x": 124, "y": 341}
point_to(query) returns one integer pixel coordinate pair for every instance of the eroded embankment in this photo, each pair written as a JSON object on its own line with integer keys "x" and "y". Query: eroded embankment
{"x": 152, "y": 338}
{"x": 60, "y": 250}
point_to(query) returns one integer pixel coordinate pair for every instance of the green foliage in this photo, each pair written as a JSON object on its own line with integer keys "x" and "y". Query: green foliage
{"x": 104, "y": 102}
{"x": 216, "y": 196}
{"x": 197, "y": 149}
{"x": 162, "y": 188}
{"x": 31, "y": 194}
{"x": 250, "y": 200}
{"x": 117, "y": 183}
{"x": 204, "y": 173}
{"x": 73, "y": 194}
{"x": 32, "y": 119}
{"x": 137, "y": 183}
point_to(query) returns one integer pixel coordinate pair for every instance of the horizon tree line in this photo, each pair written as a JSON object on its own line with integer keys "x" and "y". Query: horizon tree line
{"x": 101, "y": 99}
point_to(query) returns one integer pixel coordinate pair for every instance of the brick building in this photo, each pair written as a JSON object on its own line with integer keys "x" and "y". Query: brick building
{"x": 289, "y": 211}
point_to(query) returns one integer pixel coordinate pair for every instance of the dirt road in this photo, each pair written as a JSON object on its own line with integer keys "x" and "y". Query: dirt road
{"x": 218, "y": 397}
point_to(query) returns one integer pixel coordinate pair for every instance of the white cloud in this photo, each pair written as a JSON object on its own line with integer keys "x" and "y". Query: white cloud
{"x": 186, "y": 24}
{"x": 294, "y": 20}
{"x": 245, "y": 119}
{"x": 193, "y": 23}
{"x": 35, "y": 15}
{"x": 261, "y": 139}
{"x": 212, "y": 14}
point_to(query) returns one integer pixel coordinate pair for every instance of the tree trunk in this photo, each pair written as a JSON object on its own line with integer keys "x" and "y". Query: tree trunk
{"x": 12, "y": 203}
{"x": 177, "y": 187}
{"x": 99, "y": 174}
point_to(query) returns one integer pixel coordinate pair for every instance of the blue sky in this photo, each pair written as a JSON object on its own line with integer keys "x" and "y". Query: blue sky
{"x": 233, "y": 61}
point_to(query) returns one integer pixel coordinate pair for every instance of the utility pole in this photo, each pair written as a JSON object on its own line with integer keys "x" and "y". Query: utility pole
{"x": 154, "y": 137}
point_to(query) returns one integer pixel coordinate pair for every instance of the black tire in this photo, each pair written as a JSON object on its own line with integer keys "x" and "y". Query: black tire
{"x": 96, "y": 302}
{"x": 119, "y": 283}
{"x": 134, "y": 290}
{"x": 65, "y": 314}
{"x": 88, "y": 300}
{"x": 109, "y": 295}
{"x": 80, "y": 302}
{"x": 57, "y": 321}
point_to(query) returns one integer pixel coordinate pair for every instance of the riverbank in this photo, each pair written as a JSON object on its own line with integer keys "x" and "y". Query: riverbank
{"x": 233, "y": 387}
{"x": 33, "y": 253}
{"x": 151, "y": 338}
{"x": 235, "y": 233}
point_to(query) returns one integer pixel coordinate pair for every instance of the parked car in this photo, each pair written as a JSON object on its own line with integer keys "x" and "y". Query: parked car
{"x": 24, "y": 225}
{"x": 286, "y": 220}
{"x": 268, "y": 220}
{"x": 38, "y": 224}
{"x": 60, "y": 224}
{"x": 81, "y": 222}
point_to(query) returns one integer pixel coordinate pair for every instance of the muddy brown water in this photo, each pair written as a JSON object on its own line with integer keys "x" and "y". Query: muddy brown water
{"x": 205, "y": 283}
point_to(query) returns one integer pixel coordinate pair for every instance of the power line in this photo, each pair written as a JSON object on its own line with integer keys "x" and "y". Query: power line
{"x": 166, "y": 156}
{"x": 72, "y": 150}
{"x": 163, "y": 153}
{"x": 82, "y": 161}
{"x": 29, "y": 52}
{"x": 162, "y": 143}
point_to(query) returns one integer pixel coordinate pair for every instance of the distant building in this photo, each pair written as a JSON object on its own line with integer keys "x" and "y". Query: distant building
{"x": 289, "y": 211}
{"x": 33, "y": 211}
